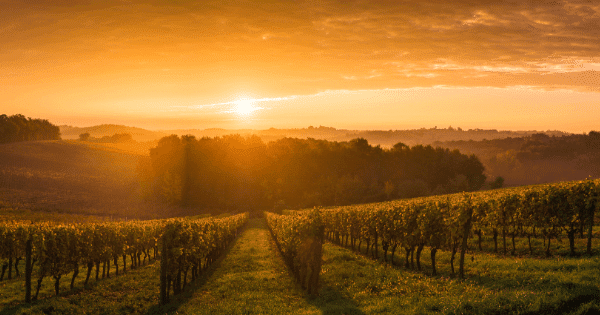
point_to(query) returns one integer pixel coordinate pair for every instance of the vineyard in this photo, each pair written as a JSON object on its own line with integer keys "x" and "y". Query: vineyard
{"x": 447, "y": 222}
{"x": 58, "y": 250}
{"x": 299, "y": 239}
{"x": 530, "y": 249}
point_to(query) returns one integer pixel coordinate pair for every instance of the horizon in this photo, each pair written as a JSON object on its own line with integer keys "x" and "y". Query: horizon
{"x": 317, "y": 127}
{"x": 357, "y": 65}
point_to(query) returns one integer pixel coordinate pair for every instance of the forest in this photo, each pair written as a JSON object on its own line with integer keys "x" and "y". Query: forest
{"x": 234, "y": 173}
{"x": 536, "y": 159}
{"x": 116, "y": 138}
{"x": 20, "y": 128}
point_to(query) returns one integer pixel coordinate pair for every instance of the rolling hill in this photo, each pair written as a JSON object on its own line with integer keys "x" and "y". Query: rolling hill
{"x": 71, "y": 177}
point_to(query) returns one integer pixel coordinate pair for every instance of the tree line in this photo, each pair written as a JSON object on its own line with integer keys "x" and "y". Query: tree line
{"x": 236, "y": 173}
{"x": 538, "y": 158}
{"x": 116, "y": 138}
{"x": 20, "y": 128}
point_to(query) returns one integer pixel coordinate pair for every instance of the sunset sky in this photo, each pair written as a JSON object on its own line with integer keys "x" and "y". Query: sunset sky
{"x": 508, "y": 65}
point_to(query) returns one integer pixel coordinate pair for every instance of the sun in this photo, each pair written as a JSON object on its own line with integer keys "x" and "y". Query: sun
{"x": 244, "y": 106}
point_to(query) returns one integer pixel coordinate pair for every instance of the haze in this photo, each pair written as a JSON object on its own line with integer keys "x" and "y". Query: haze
{"x": 516, "y": 65}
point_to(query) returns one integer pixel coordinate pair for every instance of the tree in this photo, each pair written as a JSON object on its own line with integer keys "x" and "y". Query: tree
{"x": 243, "y": 173}
{"x": 497, "y": 183}
{"x": 20, "y": 128}
{"x": 84, "y": 136}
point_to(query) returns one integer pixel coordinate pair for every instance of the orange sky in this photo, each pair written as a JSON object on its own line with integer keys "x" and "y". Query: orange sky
{"x": 347, "y": 64}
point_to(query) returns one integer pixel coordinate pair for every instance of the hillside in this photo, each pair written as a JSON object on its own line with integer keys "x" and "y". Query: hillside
{"x": 384, "y": 138}
{"x": 72, "y": 177}
{"x": 499, "y": 150}
{"x": 536, "y": 159}
{"x": 99, "y": 131}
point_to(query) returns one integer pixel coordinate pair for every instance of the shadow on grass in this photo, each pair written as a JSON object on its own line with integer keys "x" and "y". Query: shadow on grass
{"x": 46, "y": 300}
{"x": 329, "y": 301}
{"x": 573, "y": 301}
{"x": 11, "y": 310}
{"x": 188, "y": 293}
{"x": 333, "y": 302}
{"x": 398, "y": 261}
{"x": 574, "y": 305}
{"x": 569, "y": 298}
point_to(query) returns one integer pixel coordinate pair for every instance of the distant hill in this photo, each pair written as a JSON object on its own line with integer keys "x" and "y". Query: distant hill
{"x": 95, "y": 178}
{"x": 384, "y": 138}
{"x": 388, "y": 138}
{"x": 537, "y": 158}
{"x": 138, "y": 134}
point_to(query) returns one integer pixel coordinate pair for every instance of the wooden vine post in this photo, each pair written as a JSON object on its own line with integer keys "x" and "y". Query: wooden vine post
{"x": 164, "y": 298}
{"x": 28, "y": 270}
{"x": 466, "y": 231}
{"x": 314, "y": 258}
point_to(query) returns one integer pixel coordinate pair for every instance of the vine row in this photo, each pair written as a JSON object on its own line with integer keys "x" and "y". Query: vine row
{"x": 299, "y": 238}
{"x": 446, "y": 222}
{"x": 191, "y": 246}
{"x": 56, "y": 250}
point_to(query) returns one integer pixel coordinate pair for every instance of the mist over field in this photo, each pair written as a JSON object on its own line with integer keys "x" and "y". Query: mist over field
{"x": 109, "y": 170}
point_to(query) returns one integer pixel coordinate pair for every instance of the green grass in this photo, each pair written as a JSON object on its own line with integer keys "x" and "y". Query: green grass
{"x": 493, "y": 285}
{"x": 558, "y": 246}
{"x": 252, "y": 279}
{"x": 354, "y": 284}
{"x": 134, "y": 292}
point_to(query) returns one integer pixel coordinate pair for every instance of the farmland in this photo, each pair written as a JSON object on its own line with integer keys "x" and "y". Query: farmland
{"x": 251, "y": 277}
{"x": 536, "y": 274}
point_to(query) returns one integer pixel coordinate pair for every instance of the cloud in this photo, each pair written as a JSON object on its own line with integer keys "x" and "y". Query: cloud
{"x": 332, "y": 44}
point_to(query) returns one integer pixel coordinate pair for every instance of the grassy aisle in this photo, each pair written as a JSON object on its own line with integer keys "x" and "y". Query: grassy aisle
{"x": 252, "y": 279}
{"x": 494, "y": 286}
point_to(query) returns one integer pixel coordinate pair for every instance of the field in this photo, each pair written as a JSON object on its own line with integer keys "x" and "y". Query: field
{"x": 74, "y": 177}
{"x": 251, "y": 277}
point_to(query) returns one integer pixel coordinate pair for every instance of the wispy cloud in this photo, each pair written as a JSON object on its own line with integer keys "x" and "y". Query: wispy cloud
{"x": 233, "y": 106}
{"x": 102, "y": 51}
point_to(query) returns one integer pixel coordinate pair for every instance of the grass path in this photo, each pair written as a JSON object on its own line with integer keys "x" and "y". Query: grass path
{"x": 494, "y": 285}
{"x": 251, "y": 279}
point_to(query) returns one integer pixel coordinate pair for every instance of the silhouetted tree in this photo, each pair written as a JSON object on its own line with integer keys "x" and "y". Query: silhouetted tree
{"x": 538, "y": 158}
{"x": 84, "y": 136}
{"x": 243, "y": 173}
{"x": 497, "y": 183}
{"x": 19, "y": 128}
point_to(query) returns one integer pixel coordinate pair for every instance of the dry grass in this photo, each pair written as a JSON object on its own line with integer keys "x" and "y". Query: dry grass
{"x": 72, "y": 177}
